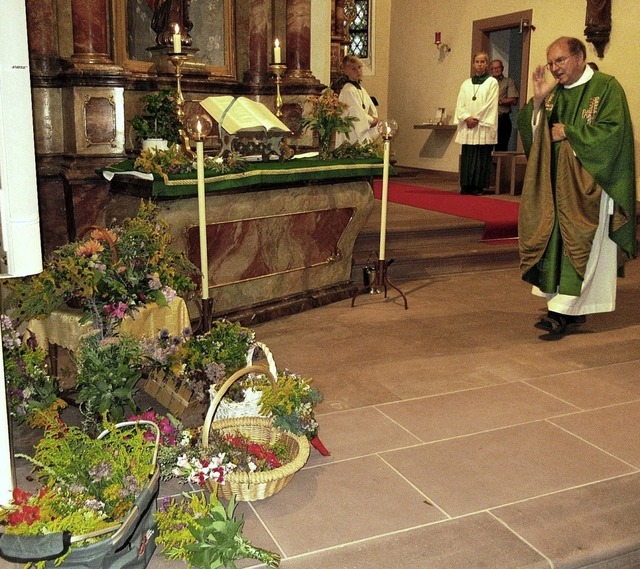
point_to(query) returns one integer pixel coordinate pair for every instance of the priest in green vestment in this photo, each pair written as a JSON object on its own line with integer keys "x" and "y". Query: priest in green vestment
{"x": 577, "y": 211}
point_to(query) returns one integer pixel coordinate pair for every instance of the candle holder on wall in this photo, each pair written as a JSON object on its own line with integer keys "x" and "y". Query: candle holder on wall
{"x": 442, "y": 47}
{"x": 278, "y": 70}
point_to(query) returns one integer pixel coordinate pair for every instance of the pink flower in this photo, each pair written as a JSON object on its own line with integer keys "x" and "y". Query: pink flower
{"x": 116, "y": 310}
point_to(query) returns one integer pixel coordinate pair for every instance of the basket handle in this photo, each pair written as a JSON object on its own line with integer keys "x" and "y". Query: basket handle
{"x": 267, "y": 354}
{"x": 211, "y": 411}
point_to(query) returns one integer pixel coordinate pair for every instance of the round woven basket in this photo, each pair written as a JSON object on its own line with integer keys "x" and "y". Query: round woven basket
{"x": 252, "y": 486}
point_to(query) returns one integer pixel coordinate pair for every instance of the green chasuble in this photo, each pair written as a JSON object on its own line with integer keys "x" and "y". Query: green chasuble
{"x": 561, "y": 194}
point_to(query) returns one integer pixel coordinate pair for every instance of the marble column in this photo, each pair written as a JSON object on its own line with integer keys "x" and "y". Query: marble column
{"x": 44, "y": 56}
{"x": 299, "y": 39}
{"x": 260, "y": 51}
{"x": 90, "y": 34}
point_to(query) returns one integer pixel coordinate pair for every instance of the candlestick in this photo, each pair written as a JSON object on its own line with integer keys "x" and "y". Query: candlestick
{"x": 387, "y": 129}
{"x": 202, "y": 217}
{"x": 276, "y": 51}
{"x": 278, "y": 70}
{"x": 177, "y": 40}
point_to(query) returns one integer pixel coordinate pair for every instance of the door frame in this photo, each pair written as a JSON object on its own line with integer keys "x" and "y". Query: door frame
{"x": 480, "y": 41}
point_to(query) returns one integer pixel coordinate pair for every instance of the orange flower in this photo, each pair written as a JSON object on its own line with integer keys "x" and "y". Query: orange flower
{"x": 104, "y": 235}
{"x": 89, "y": 248}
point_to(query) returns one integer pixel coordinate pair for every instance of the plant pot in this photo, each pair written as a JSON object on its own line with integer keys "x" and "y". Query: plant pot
{"x": 157, "y": 143}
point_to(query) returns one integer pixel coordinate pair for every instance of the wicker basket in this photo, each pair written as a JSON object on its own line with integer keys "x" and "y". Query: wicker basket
{"x": 250, "y": 407}
{"x": 178, "y": 400}
{"x": 252, "y": 486}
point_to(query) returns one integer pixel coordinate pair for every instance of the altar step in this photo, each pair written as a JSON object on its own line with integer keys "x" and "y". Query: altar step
{"x": 424, "y": 243}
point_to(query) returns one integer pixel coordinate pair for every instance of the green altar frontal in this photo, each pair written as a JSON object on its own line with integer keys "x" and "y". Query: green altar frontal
{"x": 256, "y": 174}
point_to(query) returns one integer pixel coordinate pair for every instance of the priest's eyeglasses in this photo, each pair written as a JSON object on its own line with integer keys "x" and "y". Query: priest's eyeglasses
{"x": 558, "y": 61}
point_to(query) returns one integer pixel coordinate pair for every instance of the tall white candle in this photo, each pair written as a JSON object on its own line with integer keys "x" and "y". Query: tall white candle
{"x": 383, "y": 201}
{"x": 276, "y": 52}
{"x": 202, "y": 215}
{"x": 177, "y": 40}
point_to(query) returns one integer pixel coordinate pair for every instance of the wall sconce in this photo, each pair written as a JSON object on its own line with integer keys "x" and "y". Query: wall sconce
{"x": 443, "y": 47}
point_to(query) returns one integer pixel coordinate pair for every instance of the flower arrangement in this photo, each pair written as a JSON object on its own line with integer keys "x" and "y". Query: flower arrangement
{"x": 182, "y": 456}
{"x": 197, "y": 362}
{"x": 327, "y": 116}
{"x": 109, "y": 272}
{"x": 84, "y": 496}
{"x": 226, "y": 453}
{"x": 205, "y": 534}
{"x": 30, "y": 388}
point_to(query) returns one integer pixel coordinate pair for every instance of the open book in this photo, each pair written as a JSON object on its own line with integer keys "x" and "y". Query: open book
{"x": 242, "y": 114}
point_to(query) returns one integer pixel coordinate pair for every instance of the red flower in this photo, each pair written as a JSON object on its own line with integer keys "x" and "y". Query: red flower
{"x": 26, "y": 514}
{"x": 20, "y": 496}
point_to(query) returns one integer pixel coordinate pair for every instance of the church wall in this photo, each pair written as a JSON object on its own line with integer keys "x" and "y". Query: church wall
{"x": 420, "y": 81}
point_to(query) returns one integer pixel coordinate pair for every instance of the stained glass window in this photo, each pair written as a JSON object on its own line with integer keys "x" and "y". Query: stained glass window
{"x": 359, "y": 30}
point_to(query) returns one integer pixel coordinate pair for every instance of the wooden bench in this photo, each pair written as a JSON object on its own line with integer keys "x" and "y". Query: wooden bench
{"x": 509, "y": 169}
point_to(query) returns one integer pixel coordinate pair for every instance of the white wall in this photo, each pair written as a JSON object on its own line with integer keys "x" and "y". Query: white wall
{"x": 419, "y": 81}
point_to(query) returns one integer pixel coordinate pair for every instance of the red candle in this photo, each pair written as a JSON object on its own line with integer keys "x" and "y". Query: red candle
{"x": 438, "y": 40}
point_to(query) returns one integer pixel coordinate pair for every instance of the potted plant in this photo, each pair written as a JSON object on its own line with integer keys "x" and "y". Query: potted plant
{"x": 159, "y": 118}
{"x": 30, "y": 388}
{"x": 109, "y": 369}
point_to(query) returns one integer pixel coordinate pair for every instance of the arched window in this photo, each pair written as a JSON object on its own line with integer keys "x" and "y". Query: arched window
{"x": 359, "y": 30}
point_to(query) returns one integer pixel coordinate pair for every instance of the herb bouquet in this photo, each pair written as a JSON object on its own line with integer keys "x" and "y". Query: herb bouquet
{"x": 180, "y": 369}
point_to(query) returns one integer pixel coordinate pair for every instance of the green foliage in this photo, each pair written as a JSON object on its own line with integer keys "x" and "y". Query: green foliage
{"x": 206, "y": 534}
{"x": 110, "y": 272}
{"x": 173, "y": 161}
{"x": 29, "y": 387}
{"x": 108, "y": 371}
{"x": 358, "y": 150}
{"x": 159, "y": 117}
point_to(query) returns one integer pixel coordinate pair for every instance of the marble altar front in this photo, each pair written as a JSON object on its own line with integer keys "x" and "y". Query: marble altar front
{"x": 270, "y": 251}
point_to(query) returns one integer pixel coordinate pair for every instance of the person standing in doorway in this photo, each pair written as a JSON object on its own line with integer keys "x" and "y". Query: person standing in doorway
{"x": 507, "y": 98}
{"x": 578, "y": 203}
{"x": 477, "y": 117}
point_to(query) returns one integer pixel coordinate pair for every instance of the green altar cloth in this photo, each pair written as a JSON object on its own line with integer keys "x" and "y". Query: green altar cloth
{"x": 256, "y": 174}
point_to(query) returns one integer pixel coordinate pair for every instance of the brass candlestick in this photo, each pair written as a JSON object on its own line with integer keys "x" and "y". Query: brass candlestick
{"x": 178, "y": 60}
{"x": 278, "y": 70}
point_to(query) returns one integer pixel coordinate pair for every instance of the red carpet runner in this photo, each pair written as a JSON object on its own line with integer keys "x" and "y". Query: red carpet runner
{"x": 500, "y": 217}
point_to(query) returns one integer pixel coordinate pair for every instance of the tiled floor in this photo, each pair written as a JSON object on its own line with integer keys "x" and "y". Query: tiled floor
{"x": 459, "y": 437}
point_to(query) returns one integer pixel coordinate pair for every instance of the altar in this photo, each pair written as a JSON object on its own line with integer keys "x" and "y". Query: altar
{"x": 280, "y": 236}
